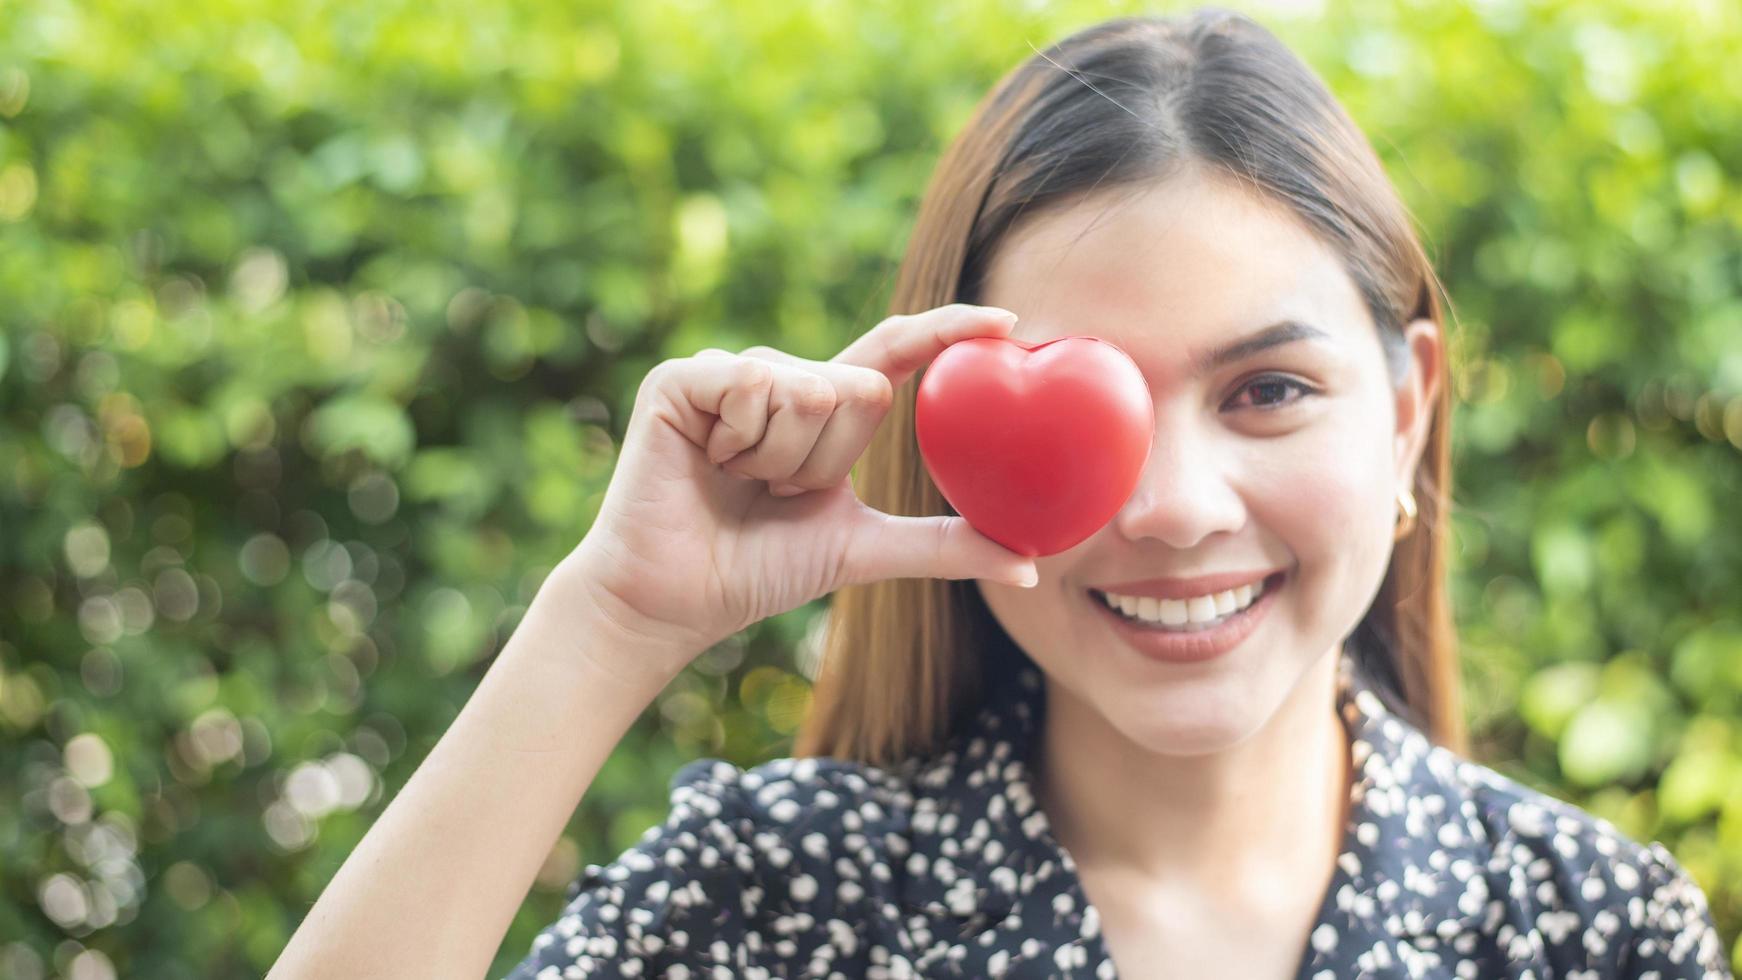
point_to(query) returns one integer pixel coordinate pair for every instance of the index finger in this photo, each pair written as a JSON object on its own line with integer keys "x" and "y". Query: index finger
{"x": 904, "y": 343}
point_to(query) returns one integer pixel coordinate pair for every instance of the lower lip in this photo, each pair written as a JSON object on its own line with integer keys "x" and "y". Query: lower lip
{"x": 1199, "y": 645}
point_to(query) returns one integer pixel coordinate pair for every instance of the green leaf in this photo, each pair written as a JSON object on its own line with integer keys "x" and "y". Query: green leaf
{"x": 373, "y": 425}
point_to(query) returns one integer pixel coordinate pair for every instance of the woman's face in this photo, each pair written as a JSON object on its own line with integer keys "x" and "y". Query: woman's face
{"x": 1288, "y": 459}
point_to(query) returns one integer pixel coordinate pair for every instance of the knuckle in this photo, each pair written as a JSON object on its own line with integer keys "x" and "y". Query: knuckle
{"x": 875, "y": 391}
{"x": 754, "y": 374}
{"x": 658, "y": 376}
{"x": 760, "y": 350}
{"x": 813, "y": 396}
{"x": 940, "y": 538}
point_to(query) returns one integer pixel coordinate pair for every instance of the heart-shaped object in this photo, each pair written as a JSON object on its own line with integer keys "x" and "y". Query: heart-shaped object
{"x": 1035, "y": 445}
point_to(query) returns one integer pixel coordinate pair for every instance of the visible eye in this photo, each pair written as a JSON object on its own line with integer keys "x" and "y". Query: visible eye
{"x": 1270, "y": 390}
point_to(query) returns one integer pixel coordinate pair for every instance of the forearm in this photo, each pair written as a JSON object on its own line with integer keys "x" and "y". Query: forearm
{"x": 433, "y": 886}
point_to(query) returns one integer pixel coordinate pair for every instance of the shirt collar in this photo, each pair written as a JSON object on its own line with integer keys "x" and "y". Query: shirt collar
{"x": 981, "y": 848}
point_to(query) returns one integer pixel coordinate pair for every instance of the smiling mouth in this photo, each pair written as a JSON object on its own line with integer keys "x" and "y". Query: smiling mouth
{"x": 1188, "y": 615}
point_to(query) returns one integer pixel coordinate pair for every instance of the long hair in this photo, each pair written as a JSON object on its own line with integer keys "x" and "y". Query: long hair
{"x": 1127, "y": 102}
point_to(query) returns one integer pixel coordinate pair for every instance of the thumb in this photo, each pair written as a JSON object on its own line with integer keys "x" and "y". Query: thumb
{"x": 892, "y": 546}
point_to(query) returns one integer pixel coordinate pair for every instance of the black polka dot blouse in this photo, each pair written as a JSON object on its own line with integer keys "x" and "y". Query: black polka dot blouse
{"x": 946, "y": 867}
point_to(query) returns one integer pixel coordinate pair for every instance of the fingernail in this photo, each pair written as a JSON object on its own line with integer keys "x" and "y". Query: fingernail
{"x": 1027, "y": 580}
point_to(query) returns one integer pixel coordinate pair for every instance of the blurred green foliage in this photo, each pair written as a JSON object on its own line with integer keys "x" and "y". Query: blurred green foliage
{"x": 320, "y": 323}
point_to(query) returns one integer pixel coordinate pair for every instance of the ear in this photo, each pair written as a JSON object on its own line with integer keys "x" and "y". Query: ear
{"x": 1417, "y": 396}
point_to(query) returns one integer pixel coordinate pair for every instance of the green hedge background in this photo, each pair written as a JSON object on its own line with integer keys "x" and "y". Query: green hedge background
{"x": 321, "y": 322}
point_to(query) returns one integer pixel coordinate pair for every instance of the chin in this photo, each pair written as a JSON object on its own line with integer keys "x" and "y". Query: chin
{"x": 1194, "y": 734}
{"x": 1167, "y": 719}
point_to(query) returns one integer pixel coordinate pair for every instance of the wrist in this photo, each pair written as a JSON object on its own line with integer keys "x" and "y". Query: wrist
{"x": 589, "y": 627}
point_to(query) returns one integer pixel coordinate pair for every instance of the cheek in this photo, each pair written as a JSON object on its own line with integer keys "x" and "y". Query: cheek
{"x": 1326, "y": 491}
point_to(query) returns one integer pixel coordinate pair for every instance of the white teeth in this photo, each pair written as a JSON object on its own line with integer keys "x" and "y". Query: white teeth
{"x": 1174, "y": 612}
{"x": 1197, "y": 611}
{"x": 1203, "y": 609}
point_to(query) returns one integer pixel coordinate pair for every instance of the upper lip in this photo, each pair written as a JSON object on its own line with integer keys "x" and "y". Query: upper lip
{"x": 1186, "y": 588}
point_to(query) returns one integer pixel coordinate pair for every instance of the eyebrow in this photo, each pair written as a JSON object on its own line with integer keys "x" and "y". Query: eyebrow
{"x": 1275, "y": 335}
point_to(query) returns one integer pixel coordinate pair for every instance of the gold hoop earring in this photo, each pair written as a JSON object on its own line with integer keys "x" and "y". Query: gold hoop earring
{"x": 1406, "y": 524}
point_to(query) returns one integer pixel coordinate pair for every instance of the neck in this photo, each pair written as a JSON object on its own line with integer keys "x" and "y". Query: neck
{"x": 1227, "y": 821}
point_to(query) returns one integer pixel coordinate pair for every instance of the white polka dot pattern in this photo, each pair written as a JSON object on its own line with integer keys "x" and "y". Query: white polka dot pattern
{"x": 947, "y": 867}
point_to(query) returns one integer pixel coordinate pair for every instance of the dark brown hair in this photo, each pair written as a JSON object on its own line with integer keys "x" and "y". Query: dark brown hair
{"x": 1121, "y": 104}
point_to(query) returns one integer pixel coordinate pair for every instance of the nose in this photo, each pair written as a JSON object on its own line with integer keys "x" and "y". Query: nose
{"x": 1185, "y": 494}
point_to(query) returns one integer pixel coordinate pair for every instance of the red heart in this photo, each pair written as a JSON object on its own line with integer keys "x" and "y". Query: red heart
{"x": 1035, "y": 445}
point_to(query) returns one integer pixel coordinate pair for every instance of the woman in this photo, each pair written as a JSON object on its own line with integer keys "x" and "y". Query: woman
{"x": 1217, "y": 738}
